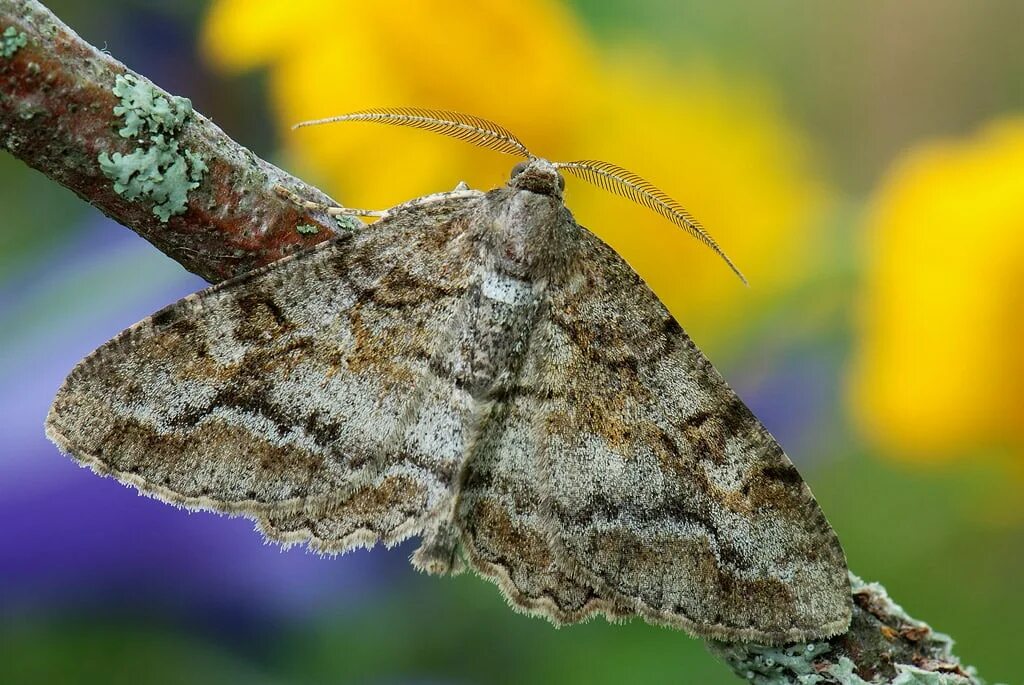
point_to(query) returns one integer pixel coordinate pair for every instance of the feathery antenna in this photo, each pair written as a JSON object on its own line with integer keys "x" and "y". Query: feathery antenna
{"x": 475, "y": 130}
{"x": 615, "y": 179}
{"x": 487, "y": 134}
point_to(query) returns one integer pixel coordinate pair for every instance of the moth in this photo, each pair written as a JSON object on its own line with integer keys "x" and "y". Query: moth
{"x": 480, "y": 371}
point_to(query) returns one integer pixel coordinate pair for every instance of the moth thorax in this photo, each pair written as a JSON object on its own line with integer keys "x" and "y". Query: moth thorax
{"x": 526, "y": 232}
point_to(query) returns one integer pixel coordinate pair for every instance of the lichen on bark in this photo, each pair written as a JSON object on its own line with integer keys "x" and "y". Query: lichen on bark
{"x": 157, "y": 169}
{"x": 11, "y": 40}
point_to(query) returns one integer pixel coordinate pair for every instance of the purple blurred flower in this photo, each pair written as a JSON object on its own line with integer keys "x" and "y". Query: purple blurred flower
{"x": 793, "y": 395}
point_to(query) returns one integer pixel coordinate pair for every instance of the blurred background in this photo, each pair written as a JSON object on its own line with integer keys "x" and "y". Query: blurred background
{"x": 862, "y": 163}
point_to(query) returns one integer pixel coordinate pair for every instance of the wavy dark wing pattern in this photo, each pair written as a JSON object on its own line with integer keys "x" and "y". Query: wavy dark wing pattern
{"x": 506, "y": 532}
{"x": 289, "y": 394}
{"x": 480, "y": 371}
{"x": 476, "y": 130}
{"x": 664, "y": 492}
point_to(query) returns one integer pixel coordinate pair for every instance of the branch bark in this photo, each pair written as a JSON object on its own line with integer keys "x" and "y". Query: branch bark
{"x": 884, "y": 645}
{"x": 57, "y": 104}
{"x": 66, "y": 109}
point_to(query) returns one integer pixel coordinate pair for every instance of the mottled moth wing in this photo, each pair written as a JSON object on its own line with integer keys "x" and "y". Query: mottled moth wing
{"x": 289, "y": 394}
{"x": 482, "y": 372}
{"x": 665, "y": 492}
{"x": 507, "y": 531}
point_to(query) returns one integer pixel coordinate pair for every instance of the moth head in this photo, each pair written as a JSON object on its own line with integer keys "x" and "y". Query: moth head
{"x": 538, "y": 176}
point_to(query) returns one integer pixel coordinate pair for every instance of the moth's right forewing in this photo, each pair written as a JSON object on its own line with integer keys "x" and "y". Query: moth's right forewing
{"x": 664, "y": 490}
{"x": 281, "y": 394}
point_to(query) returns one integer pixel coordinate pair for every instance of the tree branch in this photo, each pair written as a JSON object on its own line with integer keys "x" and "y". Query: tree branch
{"x": 884, "y": 645}
{"x": 198, "y": 196}
{"x": 146, "y": 160}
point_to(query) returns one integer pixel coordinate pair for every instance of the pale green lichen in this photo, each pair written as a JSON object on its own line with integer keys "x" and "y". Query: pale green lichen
{"x": 796, "y": 664}
{"x": 817, "y": 663}
{"x": 158, "y": 169}
{"x": 307, "y": 229}
{"x": 12, "y": 40}
{"x": 912, "y": 675}
{"x": 778, "y": 665}
{"x": 348, "y": 223}
{"x": 844, "y": 673}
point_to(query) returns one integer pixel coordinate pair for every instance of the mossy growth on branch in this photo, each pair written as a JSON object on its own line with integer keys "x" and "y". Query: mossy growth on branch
{"x": 11, "y": 40}
{"x": 158, "y": 169}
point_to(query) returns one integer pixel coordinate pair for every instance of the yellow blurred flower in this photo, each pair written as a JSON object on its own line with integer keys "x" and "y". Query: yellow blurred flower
{"x": 718, "y": 147}
{"x": 940, "y": 364}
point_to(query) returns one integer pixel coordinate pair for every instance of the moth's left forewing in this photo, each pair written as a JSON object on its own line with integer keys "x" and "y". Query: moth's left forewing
{"x": 663, "y": 489}
{"x": 285, "y": 394}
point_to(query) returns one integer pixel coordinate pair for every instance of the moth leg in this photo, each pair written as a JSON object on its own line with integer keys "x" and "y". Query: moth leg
{"x": 332, "y": 210}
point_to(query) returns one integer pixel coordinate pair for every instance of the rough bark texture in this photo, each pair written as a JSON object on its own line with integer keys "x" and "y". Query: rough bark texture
{"x": 57, "y": 104}
{"x": 884, "y": 645}
{"x": 58, "y": 96}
